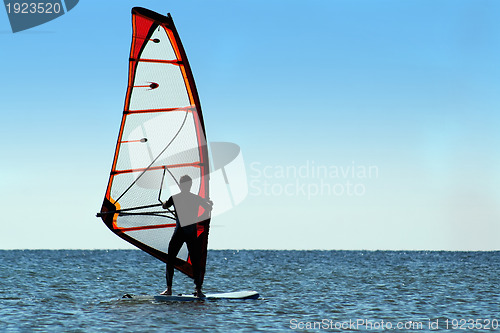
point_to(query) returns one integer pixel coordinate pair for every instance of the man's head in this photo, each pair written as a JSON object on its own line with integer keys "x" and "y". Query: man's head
{"x": 185, "y": 183}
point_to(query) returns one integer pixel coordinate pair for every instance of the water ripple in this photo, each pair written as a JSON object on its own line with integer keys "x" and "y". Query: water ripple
{"x": 79, "y": 291}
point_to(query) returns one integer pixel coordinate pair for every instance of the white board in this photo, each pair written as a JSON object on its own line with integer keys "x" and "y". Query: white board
{"x": 182, "y": 297}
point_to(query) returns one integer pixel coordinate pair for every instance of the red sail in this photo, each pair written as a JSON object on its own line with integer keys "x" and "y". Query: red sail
{"x": 162, "y": 137}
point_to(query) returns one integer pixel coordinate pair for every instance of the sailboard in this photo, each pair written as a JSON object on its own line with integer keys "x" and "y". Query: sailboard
{"x": 188, "y": 298}
{"x": 161, "y": 138}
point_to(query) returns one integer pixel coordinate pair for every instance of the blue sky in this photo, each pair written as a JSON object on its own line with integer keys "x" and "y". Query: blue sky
{"x": 410, "y": 88}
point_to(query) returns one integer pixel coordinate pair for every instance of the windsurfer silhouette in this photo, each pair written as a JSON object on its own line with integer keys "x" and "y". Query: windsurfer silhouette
{"x": 186, "y": 206}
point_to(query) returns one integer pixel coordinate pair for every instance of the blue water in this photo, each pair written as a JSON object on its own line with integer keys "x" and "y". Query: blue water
{"x": 306, "y": 291}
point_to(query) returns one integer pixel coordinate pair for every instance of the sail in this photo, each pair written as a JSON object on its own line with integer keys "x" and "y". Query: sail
{"x": 161, "y": 138}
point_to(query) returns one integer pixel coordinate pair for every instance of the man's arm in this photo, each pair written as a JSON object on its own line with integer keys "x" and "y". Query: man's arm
{"x": 206, "y": 204}
{"x": 169, "y": 203}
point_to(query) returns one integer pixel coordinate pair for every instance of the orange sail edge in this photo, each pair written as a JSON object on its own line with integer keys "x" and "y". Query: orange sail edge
{"x": 106, "y": 214}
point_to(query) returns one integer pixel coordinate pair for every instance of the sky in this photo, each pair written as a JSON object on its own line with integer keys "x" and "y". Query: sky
{"x": 363, "y": 125}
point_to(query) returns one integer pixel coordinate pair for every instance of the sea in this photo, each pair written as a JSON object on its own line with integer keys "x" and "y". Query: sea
{"x": 300, "y": 291}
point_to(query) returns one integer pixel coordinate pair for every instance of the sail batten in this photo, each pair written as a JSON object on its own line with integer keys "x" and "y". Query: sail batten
{"x": 160, "y": 61}
{"x": 161, "y": 167}
{"x": 185, "y": 109}
{"x": 161, "y": 130}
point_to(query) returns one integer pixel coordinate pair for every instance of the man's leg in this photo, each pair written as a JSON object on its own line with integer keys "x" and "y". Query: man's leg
{"x": 173, "y": 249}
{"x": 194, "y": 253}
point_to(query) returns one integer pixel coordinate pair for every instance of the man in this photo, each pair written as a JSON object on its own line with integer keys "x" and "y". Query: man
{"x": 186, "y": 205}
